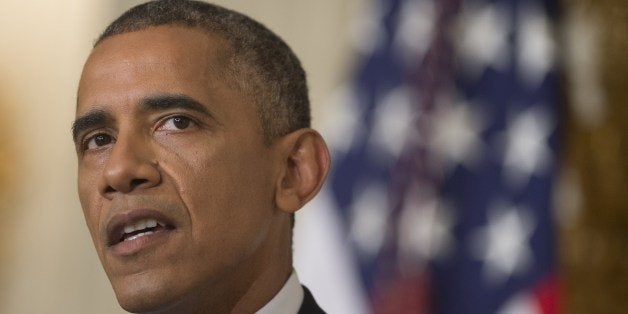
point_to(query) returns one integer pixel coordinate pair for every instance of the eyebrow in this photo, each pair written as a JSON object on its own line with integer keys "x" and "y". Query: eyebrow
{"x": 173, "y": 101}
{"x": 153, "y": 103}
{"x": 89, "y": 120}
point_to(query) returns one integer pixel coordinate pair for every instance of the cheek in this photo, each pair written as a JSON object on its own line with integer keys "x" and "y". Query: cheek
{"x": 90, "y": 199}
{"x": 229, "y": 196}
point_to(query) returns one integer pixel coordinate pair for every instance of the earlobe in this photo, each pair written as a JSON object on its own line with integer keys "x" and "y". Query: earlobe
{"x": 305, "y": 162}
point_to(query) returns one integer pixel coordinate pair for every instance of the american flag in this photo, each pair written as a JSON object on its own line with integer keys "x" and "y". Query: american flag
{"x": 444, "y": 165}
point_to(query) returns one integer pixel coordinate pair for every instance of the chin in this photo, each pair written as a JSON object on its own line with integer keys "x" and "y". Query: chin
{"x": 147, "y": 297}
{"x": 142, "y": 303}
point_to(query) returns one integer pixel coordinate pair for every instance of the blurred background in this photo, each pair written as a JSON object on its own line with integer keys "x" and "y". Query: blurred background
{"x": 478, "y": 154}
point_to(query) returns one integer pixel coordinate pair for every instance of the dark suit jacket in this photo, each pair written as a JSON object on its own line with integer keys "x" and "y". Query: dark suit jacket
{"x": 309, "y": 305}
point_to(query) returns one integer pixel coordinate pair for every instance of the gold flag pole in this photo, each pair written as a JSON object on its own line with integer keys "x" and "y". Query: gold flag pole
{"x": 595, "y": 243}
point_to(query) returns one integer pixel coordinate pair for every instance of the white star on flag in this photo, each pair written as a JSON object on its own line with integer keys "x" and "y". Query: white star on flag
{"x": 393, "y": 123}
{"x": 483, "y": 39}
{"x": 456, "y": 138}
{"x": 368, "y": 219}
{"x": 415, "y": 30}
{"x": 424, "y": 227}
{"x": 366, "y": 31}
{"x": 503, "y": 243}
{"x": 521, "y": 303}
{"x": 535, "y": 45}
{"x": 343, "y": 127}
{"x": 527, "y": 151}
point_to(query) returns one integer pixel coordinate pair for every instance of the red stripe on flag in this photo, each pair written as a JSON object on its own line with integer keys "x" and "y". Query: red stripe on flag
{"x": 547, "y": 294}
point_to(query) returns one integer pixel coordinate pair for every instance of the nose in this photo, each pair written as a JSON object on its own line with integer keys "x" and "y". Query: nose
{"x": 130, "y": 166}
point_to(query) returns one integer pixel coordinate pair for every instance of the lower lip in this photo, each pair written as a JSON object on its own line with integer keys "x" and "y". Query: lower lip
{"x": 131, "y": 247}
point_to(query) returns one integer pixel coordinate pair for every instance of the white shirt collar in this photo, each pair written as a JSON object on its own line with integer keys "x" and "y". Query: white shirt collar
{"x": 288, "y": 300}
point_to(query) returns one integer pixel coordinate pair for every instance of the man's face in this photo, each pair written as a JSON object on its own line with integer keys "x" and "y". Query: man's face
{"x": 175, "y": 181}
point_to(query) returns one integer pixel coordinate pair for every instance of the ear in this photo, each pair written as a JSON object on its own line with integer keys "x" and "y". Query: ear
{"x": 304, "y": 164}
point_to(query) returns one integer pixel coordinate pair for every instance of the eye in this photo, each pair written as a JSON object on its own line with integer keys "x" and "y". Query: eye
{"x": 98, "y": 140}
{"x": 176, "y": 123}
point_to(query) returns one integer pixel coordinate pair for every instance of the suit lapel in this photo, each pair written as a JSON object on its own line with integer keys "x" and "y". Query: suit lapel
{"x": 309, "y": 305}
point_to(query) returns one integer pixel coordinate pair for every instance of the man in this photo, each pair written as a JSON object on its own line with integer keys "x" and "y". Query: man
{"x": 194, "y": 151}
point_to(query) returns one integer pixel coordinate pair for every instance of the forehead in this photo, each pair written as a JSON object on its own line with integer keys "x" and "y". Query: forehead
{"x": 174, "y": 42}
{"x": 182, "y": 59}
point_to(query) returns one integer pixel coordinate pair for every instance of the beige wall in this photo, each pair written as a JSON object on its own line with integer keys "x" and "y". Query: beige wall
{"x": 47, "y": 262}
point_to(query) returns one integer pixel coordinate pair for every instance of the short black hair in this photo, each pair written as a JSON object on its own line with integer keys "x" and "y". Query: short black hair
{"x": 260, "y": 63}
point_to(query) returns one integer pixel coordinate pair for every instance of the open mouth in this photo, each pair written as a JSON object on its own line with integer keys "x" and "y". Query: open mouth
{"x": 128, "y": 229}
{"x": 141, "y": 228}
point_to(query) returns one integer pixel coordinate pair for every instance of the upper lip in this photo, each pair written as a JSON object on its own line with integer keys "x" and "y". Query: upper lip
{"x": 115, "y": 226}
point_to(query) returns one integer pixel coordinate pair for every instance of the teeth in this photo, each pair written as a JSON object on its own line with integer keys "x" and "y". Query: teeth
{"x": 140, "y": 225}
{"x": 138, "y": 235}
{"x": 128, "y": 229}
{"x": 151, "y": 223}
